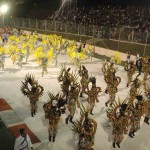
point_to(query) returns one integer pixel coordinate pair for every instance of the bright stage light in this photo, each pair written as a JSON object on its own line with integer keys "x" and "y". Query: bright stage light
{"x": 4, "y": 9}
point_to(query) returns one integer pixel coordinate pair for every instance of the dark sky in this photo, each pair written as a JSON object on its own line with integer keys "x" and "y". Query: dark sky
{"x": 84, "y": 1}
{"x": 88, "y": 2}
{"x": 117, "y": 2}
{"x": 29, "y": 3}
{"x": 23, "y": 6}
{"x": 97, "y": 2}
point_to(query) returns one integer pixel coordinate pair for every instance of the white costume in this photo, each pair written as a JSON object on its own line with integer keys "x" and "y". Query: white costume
{"x": 20, "y": 59}
{"x": 23, "y": 143}
{"x": 56, "y": 57}
{"x": 2, "y": 60}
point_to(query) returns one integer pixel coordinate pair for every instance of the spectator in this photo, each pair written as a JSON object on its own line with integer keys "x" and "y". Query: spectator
{"x": 137, "y": 59}
{"x": 23, "y": 142}
{"x": 129, "y": 57}
{"x": 107, "y": 21}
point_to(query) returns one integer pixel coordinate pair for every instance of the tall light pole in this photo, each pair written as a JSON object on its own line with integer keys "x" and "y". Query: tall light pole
{"x": 3, "y": 10}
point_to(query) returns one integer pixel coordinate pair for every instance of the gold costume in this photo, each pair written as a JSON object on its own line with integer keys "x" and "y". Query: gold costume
{"x": 92, "y": 97}
{"x": 65, "y": 78}
{"x": 73, "y": 101}
{"x": 86, "y": 128}
{"x": 53, "y": 110}
{"x": 33, "y": 94}
{"x": 83, "y": 72}
{"x": 146, "y": 69}
{"x": 130, "y": 68}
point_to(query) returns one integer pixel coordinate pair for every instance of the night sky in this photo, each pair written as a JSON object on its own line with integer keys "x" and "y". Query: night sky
{"x": 21, "y": 7}
{"x": 85, "y": 2}
{"x": 98, "y": 2}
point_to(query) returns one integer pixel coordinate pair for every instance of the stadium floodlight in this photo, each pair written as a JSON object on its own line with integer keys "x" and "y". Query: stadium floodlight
{"x": 4, "y": 9}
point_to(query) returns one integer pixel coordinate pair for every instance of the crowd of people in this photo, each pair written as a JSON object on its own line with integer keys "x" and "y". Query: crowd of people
{"x": 45, "y": 49}
{"x": 109, "y": 21}
{"x": 130, "y": 23}
{"x": 125, "y": 116}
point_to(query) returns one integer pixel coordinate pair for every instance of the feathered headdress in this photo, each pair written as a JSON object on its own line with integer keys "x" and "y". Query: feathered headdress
{"x": 30, "y": 84}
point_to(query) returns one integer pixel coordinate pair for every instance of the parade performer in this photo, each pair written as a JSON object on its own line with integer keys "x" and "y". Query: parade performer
{"x": 90, "y": 51}
{"x": 128, "y": 57}
{"x": 20, "y": 58}
{"x": 118, "y": 115}
{"x": 2, "y": 57}
{"x": 65, "y": 78}
{"x": 43, "y": 65}
{"x": 136, "y": 83}
{"x": 112, "y": 90}
{"x": 92, "y": 96}
{"x": 130, "y": 68}
{"x": 147, "y": 95}
{"x": 146, "y": 68}
{"x": 27, "y": 53}
{"x": 53, "y": 110}
{"x": 56, "y": 57}
{"x": 137, "y": 112}
{"x": 72, "y": 101}
{"x": 43, "y": 57}
{"x": 26, "y": 47}
{"x": 116, "y": 59}
{"x": 83, "y": 72}
{"x": 86, "y": 129}
{"x": 33, "y": 93}
{"x": 109, "y": 72}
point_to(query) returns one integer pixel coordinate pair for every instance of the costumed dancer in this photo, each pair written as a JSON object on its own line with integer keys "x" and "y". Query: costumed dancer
{"x": 26, "y": 48}
{"x": 116, "y": 59}
{"x": 53, "y": 110}
{"x": 2, "y": 60}
{"x": 20, "y": 58}
{"x": 56, "y": 57}
{"x": 90, "y": 51}
{"x": 73, "y": 101}
{"x": 65, "y": 78}
{"x": 112, "y": 81}
{"x": 43, "y": 57}
{"x": 109, "y": 74}
{"x": 147, "y": 94}
{"x": 130, "y": 68}
{"x": 83, "y": 72}
{"x": 27, "y": 53}
{"x": 136, "y": 83}
{"x": 33, "y": 93}
{"x": 43, "y": 65}
{"x": 146, "y": 68}
{"x": 118, "y": 115}
{"x": 129, "y": 57}
{"x": 92, "y": 94}
{"x": 112, "y": 90}
{"x": 86, "y": 129}
{"x": 137, "y": 110}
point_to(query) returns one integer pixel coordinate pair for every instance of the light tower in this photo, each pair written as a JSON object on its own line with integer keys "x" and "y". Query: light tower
{"x": 3, "y": 11}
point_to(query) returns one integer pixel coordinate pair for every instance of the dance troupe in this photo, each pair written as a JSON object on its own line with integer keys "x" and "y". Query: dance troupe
{"x": 124, "y": 115}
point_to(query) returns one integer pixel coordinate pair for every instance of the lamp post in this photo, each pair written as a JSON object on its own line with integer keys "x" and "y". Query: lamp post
{"x": 3, "y": 10}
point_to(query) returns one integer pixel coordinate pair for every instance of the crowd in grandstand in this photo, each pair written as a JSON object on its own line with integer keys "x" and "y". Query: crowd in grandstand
{"x": 108, "y": 21}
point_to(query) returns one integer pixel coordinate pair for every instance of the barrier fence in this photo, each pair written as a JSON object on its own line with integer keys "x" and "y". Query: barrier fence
{"x": 121, "y": 34}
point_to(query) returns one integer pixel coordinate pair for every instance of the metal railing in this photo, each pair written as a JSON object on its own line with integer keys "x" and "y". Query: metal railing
{"x": 122, "y": 34}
